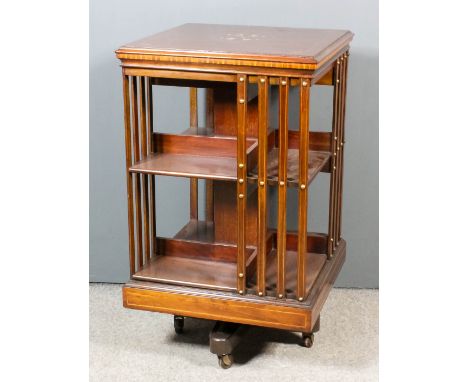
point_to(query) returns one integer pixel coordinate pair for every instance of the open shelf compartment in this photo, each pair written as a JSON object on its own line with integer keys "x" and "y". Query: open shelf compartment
{"x": 198, "y": 153}
{"x": 192, "y": 259}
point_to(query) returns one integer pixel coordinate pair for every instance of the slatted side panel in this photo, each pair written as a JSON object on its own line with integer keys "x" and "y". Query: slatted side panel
{"x": 137, "y": 93}
{"x": 282, "y": 179}
{"x": 336, "y": 183}
{"x": 241, "y": 179}
{"x": 262, "y": 184}
{"x": 303, "y": 188}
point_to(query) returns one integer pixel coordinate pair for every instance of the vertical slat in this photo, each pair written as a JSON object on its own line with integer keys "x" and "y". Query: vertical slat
{"x": 262, "y": 184}
{"x": 333, "y": 185}
{"x": 128, "y": 157}
{"x": 241, "y": 179}
{"x": 150, "y": 146}
{"x": 144, "y": 154}
{"x": 337, "y": 167}
{"x": 209, "y": 123}
{"x": 193, "y": 181}
{"x": 342, "y": 141}
{"x": 303, "y": 188}
{"x": 136, "y": 157}
{"x": 282, "y": 183}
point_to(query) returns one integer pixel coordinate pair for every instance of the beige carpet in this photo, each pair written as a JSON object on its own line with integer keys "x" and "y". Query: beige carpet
{"x": 129, "y": 345}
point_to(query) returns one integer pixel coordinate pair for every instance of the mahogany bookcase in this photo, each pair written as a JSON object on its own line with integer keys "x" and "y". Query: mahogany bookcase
{"x": 234, "y": 266}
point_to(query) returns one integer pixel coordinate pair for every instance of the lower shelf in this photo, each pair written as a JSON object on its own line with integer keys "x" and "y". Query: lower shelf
{"x": 190, "y": 272}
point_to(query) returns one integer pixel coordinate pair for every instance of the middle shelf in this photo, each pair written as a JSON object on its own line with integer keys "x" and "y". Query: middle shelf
{"x": 214, "y": 157}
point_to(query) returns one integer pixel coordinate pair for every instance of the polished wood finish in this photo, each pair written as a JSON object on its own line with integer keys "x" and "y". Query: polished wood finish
{"x": 292, "y": 48}
{"x": 232, "y": 266}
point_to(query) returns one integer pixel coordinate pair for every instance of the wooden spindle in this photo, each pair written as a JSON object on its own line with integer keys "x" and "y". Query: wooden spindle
{"x": 342, "y": 141}
{"x": 338, "y": 151}
{"x": 282, "y": 184}
{"x": 241, "y": 179}
{"x": 128, "y": 160}
{"x": 150, "y": 146}
{"x": 209, "y": 124}
{"x": 144, "y": 154}
{"x": 333, "y": 179}
{"x": 303, "y": 185}
{"x": 262, "y": 182}
{"x": 136, "y": 157}
{"x": 193, "y": 181}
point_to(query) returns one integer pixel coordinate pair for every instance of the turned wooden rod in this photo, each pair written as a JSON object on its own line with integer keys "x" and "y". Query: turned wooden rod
{"x": 262, "y": 183}
{"x": 144, "y": 154}
{"x": 128, "y": 157}
{"x": 137, "y": 157}
{"x": 241, "y": 179}
{"x": 282, "y": 183}
{"x": 304, "y": 97}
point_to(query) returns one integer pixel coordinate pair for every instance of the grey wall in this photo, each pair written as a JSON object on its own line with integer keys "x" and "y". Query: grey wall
{"x": 115, "y": 22}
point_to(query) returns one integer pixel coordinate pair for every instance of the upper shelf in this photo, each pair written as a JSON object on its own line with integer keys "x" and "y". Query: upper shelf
{"x": 291, "y": 48}
{"x": 208, "y": 156}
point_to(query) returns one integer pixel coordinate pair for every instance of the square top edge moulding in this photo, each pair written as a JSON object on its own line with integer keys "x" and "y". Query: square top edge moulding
{"x": 294, "y": 48}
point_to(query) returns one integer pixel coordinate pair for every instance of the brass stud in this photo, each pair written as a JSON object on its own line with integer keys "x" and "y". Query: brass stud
{"x": 334, "y": 167}
{"x": 280, "y": 296}
{"x": 337, "y": 81}
{"x": 241, "y": 79}
{"x": 342, "y": 143}
{"x": 301, "y": 298}
{"x": 262, "y": 183}
{"x": 336, "y": 138}
{"x": 334, "y": 154}
{"x": 241, "y": 292}
{"x": 241, "y": 181}
{"x": 260, "y": 293}
{"x": 281, "y": 183}
{"x": 283, "y": 82}
{"x": 338, "y": 62}
{"x": 241, "y": 100}
{"x": 241, "y": 165}
{"x": 331, "y": 239}
{"x": 262, "y": 80}
{"x": 241, "y": 275}
{"x": 304, "y": 83}
{"x": 337, "y": 149}
{"x": 303, "y": 186}
{"x": 241, "y": 196}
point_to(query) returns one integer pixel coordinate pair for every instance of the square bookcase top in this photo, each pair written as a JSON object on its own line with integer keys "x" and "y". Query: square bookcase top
{"x": 299, "y": 48}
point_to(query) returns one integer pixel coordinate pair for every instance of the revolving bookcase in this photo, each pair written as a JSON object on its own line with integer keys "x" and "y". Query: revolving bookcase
{"x": 235, "y": 266}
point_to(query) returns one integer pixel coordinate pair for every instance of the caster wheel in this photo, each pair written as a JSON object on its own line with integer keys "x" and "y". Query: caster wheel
{"x": 308, "y": 340}
{"x": 179, "y": 324}
{"x": 225, "y": 361}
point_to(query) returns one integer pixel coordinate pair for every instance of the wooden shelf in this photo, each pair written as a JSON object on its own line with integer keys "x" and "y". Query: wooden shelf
{"x": 190, "y": 272}
{"x": 191, "y": 166}
{"x": 317, "y": 161}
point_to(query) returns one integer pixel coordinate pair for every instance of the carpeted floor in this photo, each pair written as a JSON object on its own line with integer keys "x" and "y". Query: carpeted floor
{"x": 130, "y": 345}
